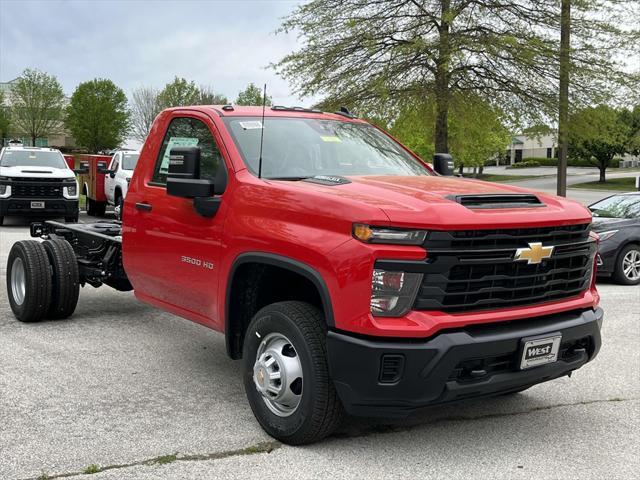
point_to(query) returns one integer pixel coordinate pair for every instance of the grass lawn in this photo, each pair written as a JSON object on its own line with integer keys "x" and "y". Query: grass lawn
{"x": 500, "y": 178}
{"x": 623, "y": 184}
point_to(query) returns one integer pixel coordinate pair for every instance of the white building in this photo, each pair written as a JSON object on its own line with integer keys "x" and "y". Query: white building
{"x": 525, "y": 146}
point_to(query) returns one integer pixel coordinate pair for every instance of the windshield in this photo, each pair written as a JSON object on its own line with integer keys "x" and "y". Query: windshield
{"x": 129, "y": 160}
{"x": 303, "y": 147}
{"x": 617, "y": 206}
{"x": 32, "y": 158}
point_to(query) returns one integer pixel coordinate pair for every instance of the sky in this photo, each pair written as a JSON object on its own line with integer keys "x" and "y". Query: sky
{"x": 224, "y": 44}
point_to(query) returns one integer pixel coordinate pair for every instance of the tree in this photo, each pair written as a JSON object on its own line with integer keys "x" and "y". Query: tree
{"x": 144, "y": 109}
{"x": 252, "y": 95}
{"x": 367, "y": 52}
{"x": 179, "y": 93}
{"x": 37, "y": 102}
{"x": 631, "y": 118}
{"x": 97, "y": 115}
{"x": 563, "y": 96}
{"x": 476, "y": 130}
{"x": 5, "y": 118}
{"x": 597, "y": 134}
{"x": 207, "y": 96}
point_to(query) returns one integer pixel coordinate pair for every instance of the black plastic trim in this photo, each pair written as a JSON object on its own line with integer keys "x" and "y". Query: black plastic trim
{"x": 285, "y": 263}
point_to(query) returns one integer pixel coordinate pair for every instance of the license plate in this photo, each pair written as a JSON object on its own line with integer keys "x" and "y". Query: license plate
{"x": 37, "y": 204}
{"x": 540, "y": 351}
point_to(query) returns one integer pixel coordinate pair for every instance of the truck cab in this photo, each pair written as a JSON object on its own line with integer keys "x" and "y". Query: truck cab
{"x": 37, "y": 182}
{"x": 116, "y": 182}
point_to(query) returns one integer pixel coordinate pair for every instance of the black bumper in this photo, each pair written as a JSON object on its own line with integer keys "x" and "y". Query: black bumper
{"x": 53, "y": 207}
{"x": 477, "y": 361}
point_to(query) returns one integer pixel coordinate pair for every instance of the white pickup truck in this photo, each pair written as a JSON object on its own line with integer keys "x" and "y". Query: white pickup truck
{"x": 37, "y": 182}
{"x": 116, "y": 181}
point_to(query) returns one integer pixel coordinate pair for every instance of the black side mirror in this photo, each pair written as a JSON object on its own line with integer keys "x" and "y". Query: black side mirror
{"x": 112, "y": 173}
{"x": 443, "y": 164}
{"x": 183, "y": 180}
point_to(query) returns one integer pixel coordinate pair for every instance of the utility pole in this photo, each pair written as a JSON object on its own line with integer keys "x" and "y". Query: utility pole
{"x": 563, "y": 98}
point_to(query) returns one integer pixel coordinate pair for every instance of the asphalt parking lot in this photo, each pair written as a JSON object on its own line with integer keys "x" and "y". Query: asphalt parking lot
{"x": 134, "y": 393}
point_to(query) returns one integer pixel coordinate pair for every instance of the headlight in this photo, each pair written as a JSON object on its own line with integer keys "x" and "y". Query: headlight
{"x": 393, "y": 293}
{"x": 368, "y": 234}
{"x": 606, "y": 235}
{"x": 70, "y": 188}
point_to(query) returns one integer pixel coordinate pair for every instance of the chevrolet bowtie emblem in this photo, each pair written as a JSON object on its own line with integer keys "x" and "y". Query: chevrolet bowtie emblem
{"x": 534, "y": 254}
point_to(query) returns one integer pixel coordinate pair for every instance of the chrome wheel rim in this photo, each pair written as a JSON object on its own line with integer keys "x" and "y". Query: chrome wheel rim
{"x": 631, "y": 265}
{"x": 18, "y": 281}
{"x": 277, "y": 374}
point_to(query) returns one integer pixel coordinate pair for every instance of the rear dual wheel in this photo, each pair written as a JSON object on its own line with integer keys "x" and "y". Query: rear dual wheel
{"x": 42, "y": 280}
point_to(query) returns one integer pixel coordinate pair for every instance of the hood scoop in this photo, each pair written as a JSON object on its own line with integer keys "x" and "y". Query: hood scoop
{"x": 493, "y": 201}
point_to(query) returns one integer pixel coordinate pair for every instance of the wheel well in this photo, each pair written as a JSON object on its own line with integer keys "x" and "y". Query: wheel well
{"x": 254, "y": 285}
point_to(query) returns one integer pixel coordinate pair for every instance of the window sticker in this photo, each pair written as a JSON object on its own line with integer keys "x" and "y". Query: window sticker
{"x": 175, "y": 142}
{"x": 331, "y": 138}
{"x": 251, "y": 125}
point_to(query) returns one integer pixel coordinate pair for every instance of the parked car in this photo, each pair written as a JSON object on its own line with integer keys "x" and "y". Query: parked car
{"x": 37, "y": 182}
{"x": 617, "y": 220}
{"x": 116, "y": 182}
{"x": 345, "y": 272}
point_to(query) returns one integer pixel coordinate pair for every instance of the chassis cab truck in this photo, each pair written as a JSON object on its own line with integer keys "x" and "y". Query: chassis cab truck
{"x": 345, "y": 273}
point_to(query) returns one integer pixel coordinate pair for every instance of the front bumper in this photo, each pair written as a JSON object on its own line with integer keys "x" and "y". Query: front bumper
{"x": 449, "y": 367}
{"x": 53, "y": 207}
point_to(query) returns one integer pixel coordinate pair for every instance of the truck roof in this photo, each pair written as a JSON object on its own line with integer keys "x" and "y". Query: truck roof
{"x": 34, "y": 149}
{"x": 271, "y": 111}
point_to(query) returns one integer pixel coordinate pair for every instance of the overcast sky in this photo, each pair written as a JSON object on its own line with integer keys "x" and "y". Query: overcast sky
{"x": 225, "y": 44}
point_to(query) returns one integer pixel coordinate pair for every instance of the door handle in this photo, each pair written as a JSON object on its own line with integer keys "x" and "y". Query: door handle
{"x": 144, "y": 206}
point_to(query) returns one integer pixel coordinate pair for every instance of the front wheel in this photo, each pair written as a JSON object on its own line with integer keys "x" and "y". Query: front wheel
{"x": 627, "y": 270}
{"x": 286, "y": 376}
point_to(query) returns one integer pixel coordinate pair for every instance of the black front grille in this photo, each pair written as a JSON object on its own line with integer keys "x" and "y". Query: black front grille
{"x": 477, "y": 271}
{"x": 36, "y": 188}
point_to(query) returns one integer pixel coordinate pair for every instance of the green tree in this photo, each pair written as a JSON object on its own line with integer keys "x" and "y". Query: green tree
{"x": 366, "y": 53}
{"x": 5, "y": 118}
{"x": 597, "y": 134}
{"x": 476, "y": 130}
{"x": 631, "y": 118}
{"x": 178, "y": 93}
{"x": 207, "y": 96}
{"x": 37, "y": 104}
{"x": 252, "y": 95}
{"x": 97, "y": 116}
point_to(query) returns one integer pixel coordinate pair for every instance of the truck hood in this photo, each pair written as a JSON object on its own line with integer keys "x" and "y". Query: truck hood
{"x": 429, "y": 201}
{"x": 39, "y": 172}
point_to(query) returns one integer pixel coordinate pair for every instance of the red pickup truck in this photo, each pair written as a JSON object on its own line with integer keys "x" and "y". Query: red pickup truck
{"x": 345, "y": 272}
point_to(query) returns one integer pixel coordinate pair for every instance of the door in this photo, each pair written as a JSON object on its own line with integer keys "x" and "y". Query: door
{"x": 109, "y": 178}
{"x": 171, "y": 251}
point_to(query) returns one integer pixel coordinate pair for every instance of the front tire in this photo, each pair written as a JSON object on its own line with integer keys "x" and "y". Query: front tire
{"x": 627, "y": 270}
{"x": 65, "y": 285}
{"x": 286, "y": 376}
{"x": 28, "y": 281}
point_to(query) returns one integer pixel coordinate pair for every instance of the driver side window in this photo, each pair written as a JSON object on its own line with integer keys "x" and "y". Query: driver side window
{"x": 188, "y": 132}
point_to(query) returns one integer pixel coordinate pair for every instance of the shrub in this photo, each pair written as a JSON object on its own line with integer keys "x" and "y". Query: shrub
{"x": 526, "y": 164}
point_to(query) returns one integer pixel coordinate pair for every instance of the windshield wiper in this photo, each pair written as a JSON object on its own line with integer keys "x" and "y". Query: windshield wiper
{"x": 290, "y": 179}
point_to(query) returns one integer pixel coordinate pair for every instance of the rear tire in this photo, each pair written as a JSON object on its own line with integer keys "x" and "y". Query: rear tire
{"x": 65, "y": 285}
{"x": 29, "y": 281}
{"x": 314, "y": 411}
{"x": 627, "y": 269}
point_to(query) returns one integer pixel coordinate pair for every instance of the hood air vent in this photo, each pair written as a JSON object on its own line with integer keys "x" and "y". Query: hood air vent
{"x": 497, "y": 201}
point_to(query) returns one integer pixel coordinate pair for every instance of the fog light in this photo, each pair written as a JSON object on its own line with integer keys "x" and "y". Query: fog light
{"x": 393, "y": 293}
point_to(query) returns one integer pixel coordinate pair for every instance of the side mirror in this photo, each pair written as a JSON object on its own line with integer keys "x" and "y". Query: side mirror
{"x": 112, "y": 173}
{"x": 84, "y": 168}
{"x": 443, "y": 164}
{"x": 183, "y": 180}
